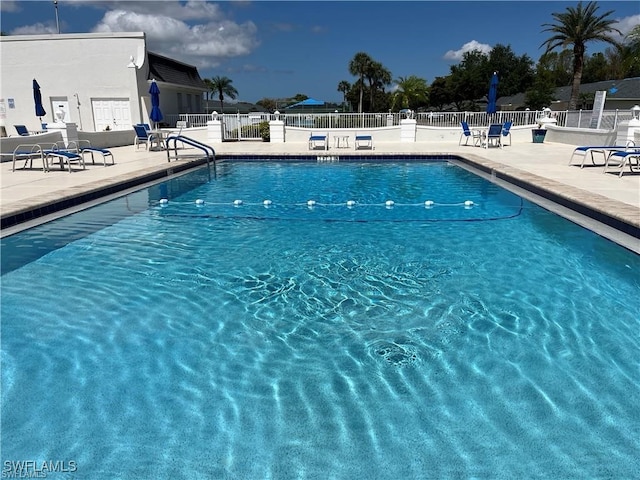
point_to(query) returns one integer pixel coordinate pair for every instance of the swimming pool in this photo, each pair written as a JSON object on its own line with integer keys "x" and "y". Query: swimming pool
{"x": 216, "y": 336}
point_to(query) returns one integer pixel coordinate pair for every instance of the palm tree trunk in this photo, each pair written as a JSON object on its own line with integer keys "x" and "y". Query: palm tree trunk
{"x": 578, "y": 64}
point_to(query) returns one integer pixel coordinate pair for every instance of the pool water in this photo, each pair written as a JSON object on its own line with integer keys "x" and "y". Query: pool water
{"x": 202, "y": 338}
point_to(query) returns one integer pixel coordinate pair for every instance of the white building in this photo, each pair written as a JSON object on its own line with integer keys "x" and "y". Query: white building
{"x": 100, "y": 81}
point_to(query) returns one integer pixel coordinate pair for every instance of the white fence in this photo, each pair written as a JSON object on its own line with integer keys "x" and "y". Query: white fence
{"x": 246, "y": 126}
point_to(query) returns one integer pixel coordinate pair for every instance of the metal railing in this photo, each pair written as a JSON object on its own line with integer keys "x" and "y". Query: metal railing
{"x": 246, "y": 126}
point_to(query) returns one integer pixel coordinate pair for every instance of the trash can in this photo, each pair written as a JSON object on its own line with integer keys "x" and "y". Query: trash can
{"x": 538, "y": 135}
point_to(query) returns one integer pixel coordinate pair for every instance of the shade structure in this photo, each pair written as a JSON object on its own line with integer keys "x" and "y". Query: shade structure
{"x": 155, "y": 115}
{"x": 493, "y": 94}
{"x": 37, "y": 98}
{"x": 309, "y": 102}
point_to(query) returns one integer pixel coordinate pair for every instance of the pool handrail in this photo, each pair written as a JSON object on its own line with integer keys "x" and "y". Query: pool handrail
{"x": 207, "y": 149}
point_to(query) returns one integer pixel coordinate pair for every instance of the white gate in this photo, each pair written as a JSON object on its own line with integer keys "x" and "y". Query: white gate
{"x": 243, "y": 126}
{"x": 112, "y": 113}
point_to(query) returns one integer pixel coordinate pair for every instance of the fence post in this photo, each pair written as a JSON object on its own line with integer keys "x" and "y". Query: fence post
{"x": 214, "y": 128}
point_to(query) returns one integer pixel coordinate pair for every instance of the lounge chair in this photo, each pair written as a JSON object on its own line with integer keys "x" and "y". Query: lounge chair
{"x": 467, "y": 134}
{"x": 22, "y": 130}
{"x": 84, "y": 147}
{"x": 29, "y": 152}
{"x": 318, "y": 141}
{"x": 145, "y": 136}
{"x": 605, "y": 150}
{"x": 63, "y": 157}
{"x": 506, "y": 131}
{"x": 624, "y": 158}
{"x": 493, "y": 136}
{"x": 363, "y": 141}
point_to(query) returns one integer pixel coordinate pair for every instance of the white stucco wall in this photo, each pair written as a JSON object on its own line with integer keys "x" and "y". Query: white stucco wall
{"x": 94, "y": 66}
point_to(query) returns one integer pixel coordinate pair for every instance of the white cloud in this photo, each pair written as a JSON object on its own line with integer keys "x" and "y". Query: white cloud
{"x": 9, "y": 6}
{"x": 35, "y": 29}
{"x": 625, "y": 25}
{"x": 204, "y": 44}
{"x": 467, "y": 47}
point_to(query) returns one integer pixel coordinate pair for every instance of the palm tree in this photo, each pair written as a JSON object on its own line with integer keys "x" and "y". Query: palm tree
{"x": 576, "y": 27}
{"x": 378, "y": 76}
{"x": 222, "y": 86}
{"x": 412, "y": 92}
{"x": 358, "y": 66}
{"x": 344, "y": 87}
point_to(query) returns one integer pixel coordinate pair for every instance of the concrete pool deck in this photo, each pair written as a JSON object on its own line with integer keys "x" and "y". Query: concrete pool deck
{"x": 540, "y": 168}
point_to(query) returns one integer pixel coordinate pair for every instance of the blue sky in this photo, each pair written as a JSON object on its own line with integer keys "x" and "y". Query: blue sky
{"x": 278, "y": 49}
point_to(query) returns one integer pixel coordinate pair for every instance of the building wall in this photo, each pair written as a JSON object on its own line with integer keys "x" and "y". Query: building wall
{"x": 73, "y": 69}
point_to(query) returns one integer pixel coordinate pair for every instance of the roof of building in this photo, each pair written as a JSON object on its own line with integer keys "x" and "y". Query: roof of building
{"x": 625, "y": 89}
{"x": 164, "y": 69}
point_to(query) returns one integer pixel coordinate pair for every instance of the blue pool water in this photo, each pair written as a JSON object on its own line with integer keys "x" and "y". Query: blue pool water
{"x": 492, "y": 340}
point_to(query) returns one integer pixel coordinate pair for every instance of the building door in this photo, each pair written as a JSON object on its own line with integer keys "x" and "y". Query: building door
{"x": 112, "y": 113}
{"x": 60, "y": 104}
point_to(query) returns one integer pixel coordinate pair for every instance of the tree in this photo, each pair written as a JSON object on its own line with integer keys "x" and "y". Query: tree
{"x": 439, "y": 94}
{"x": 469, "y": 80}
{"x": 578, "y": 26}
{"x": 268, "y": 104}
{"x": 344, "y": 87}
{"x": 222, "y": 86}
{"x": 631, "y": 53}
{"x": 358, "y": 67}
{"x": 378, "y": 76}
{"x": 412, "y": 92}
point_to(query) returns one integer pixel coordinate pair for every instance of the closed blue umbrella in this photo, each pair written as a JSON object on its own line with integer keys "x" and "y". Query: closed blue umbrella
{"x": 493, "y": 94}
{"x": 155, "y": 115}
{"x": 37, "y": 98}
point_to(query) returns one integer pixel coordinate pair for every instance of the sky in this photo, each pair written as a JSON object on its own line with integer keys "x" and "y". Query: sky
{"x": 276, "y": 49}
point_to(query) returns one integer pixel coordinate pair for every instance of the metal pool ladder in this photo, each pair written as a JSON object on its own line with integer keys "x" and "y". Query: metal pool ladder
{"x": 208, "y": 150}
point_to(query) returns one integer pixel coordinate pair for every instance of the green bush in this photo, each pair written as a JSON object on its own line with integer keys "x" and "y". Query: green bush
{"x": 265, "y": 133}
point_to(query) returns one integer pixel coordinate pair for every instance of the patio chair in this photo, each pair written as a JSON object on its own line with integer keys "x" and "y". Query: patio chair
{"x": 22, "y": 130}
{"x": 363, "y": 141}
{"x": 493, "y": 136}
{"x": 144, "y": 136}
{"x": 318, "y": 141}
{"x": 506, "y": 131}
{"x": 467, "y": 134}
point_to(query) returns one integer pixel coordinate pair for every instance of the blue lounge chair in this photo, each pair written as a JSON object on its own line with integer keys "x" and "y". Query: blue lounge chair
{"x": 624, "y": 158}
{"x": 318, "y": 141}
{"x": 363, "y": 141}
{"x": 63, "y": 157}
{"x": 22, "y": 130}
{"x": 467, "y": 134}
{"x": 493, "y": 136}
{"x": 28, "y": 153}
{"x": 84, "y": 147}
{"x": 506, "y": 131}
{"x": 605, "y": 150}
